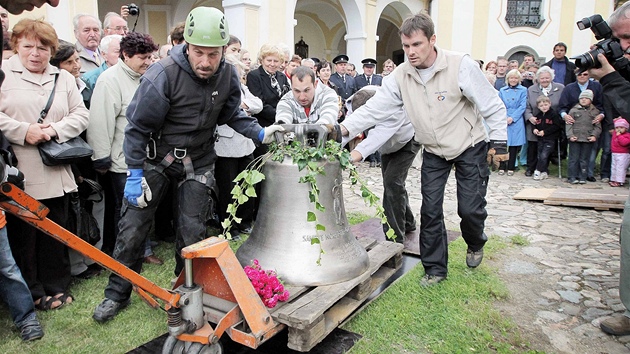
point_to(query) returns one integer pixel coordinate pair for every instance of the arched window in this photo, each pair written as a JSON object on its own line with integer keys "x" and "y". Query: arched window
{"x": 524, "y": 13}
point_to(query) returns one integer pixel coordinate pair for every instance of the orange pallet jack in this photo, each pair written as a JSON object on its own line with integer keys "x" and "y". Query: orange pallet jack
{"x": 212, "y": 288}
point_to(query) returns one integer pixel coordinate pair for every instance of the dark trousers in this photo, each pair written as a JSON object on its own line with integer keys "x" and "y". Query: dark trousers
{"x": 545, "y": 148}
{"x": 579, "y": 155}
{"x": 109, "y": 218}
{"x": 532, "y": 155}
{"x": 195, "y": 206}
{"x": 471, "y": 173}
{"x": 43, "y": 260}
{"x": 513, "y": 151}
{"x": 395, "y": 167}
{"x": 225, "y": 171}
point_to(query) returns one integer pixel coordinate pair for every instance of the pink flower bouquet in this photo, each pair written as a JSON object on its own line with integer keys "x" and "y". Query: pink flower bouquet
{"x": 267, "y": 284}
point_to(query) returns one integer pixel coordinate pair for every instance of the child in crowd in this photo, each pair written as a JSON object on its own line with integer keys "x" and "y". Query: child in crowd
{"x": 582, "y": 134}
{"x": 547, "y": 128}
{"x": 620, "y": 148}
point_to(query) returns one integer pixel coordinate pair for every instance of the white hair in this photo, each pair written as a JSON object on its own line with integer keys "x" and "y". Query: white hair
{"x": 75, "y": 21}
{"x": 545, "y": 69}
{"x": 107, "y": 40}
{"x": 108, "y": 19}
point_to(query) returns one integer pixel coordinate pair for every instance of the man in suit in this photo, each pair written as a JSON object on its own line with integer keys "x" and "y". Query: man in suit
{"x": 368, "y": 77}
{"x": 345, "y": 83}
{"x": 87, "y": 30}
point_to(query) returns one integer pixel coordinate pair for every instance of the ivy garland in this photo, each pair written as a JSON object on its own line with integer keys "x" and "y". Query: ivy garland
{"x": 305, "y": 158}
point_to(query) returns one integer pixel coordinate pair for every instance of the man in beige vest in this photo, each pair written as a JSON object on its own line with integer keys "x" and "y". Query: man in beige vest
{"x": 447, "y": 98}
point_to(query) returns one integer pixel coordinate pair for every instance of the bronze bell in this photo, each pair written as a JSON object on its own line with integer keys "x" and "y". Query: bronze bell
{"x": 281, "y": 238}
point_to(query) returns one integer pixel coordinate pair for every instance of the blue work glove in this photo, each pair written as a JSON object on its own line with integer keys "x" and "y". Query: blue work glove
{"x": 137, "y": 191}
{"x": 268, "y": 135}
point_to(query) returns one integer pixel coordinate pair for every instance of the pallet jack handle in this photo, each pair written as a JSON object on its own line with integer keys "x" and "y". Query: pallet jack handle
{"x": 30, "y": 210}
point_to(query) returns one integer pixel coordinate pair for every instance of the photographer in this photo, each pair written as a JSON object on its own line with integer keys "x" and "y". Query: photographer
{"x": 616, "y": 92}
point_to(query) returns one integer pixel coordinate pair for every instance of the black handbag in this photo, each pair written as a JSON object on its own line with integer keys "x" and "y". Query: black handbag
{"x": 81, "y": 222}
{"x": 69, "y": 152}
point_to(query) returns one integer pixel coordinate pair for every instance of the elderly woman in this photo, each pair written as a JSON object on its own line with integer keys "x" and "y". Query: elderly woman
{"x": 269, "y": 84}
{"x": 114, "y": 90}
{"x": 67, "y": 58}
{"x": 29, "y": 82}
{"x": 544, "y": 85}
{"x": 514, "y": 96}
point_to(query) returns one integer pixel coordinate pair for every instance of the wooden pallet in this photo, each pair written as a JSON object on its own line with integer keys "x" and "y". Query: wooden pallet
{"x": 313, "y": 312}
{"x": 596, "y": 198}
{"x": 600, "y": 199}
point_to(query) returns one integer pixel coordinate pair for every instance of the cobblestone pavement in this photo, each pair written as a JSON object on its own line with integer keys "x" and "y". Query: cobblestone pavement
{"x": 564, "y": 281}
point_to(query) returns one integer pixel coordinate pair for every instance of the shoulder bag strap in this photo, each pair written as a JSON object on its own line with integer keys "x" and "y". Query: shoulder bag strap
{"x": 44, "y": 111}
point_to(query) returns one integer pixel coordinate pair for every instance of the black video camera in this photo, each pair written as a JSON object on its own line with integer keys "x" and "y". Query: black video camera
{"x": 608, "y": 45}
{"x": 134, "y": 10}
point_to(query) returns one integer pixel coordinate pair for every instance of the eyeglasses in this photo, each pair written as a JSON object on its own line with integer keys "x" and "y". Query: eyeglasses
{"x": 119, "y": 28}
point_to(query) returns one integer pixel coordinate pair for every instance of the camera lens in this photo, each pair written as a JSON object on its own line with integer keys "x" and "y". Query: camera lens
{"x": 589, "y": 59}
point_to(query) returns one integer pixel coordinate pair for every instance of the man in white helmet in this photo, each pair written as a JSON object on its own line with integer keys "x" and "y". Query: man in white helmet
{"x": 175, "y": 111}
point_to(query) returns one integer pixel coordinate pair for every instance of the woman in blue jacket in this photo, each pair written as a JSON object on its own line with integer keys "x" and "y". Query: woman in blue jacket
{"x": 514, "y": 96}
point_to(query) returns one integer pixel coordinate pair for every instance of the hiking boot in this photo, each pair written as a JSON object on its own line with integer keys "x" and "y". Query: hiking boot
{"x": 31, "y": 331}
{"x": 617, "y": 326}
{"x": 430, "y": 280}
{"x": 108, "y": 309}
{"x": 473, "y": 259}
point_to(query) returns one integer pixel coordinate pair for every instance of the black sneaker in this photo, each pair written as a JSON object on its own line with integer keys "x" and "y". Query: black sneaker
{"x": 31, "y": 331}
{"x": 108, "y": 309}
{"x": 473, "y": 259}
{"x": 591, "y": 179}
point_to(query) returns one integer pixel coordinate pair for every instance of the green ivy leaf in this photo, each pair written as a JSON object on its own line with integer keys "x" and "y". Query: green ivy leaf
{"x": 320, "y": 207}
{"x": 231, "y": 209}
{"x": 310, "y": 216}
{"x": 251, "y": 191}
{"x": 320, "y": 227}
{"x": 242, "y": 199}
{"x": 225, "y": 224}
{"x": 315, "y": 241}
{"x": 391, "y": 234}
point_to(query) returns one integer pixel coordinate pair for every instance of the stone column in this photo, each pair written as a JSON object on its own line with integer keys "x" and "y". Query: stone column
{"x": 243, "y": 18}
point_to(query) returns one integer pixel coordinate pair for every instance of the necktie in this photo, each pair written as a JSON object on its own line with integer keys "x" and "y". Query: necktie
{"x": 274, "y": 84}
{"x": 369, "y": 80}
{"x": 344, "y": 78}
{"x": 97, "y": 59}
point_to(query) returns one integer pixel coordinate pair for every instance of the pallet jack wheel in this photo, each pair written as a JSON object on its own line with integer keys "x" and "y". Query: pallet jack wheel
{"x": 172, "y": 345}
{"x": 198, "y": 348}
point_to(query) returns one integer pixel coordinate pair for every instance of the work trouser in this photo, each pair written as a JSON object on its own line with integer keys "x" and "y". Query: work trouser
{"x": 624, "y": 274}
{"x": 471, "y": 173}
{"x": 194, "y": 207}
{"x": 395, "y": 167}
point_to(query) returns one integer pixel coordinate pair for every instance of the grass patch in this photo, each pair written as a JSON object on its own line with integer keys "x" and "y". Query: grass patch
{"x": 456, "y": 316}
{"x": 519, "y": 240}
{"x": 71, "y": 329}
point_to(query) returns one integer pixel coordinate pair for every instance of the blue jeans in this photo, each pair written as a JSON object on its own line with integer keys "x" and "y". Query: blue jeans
{"x": 13, "y": 289}
{"x": 602, "y": 144}
{"x": 545, "y": 148}
{"x": 579, "y": 154}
